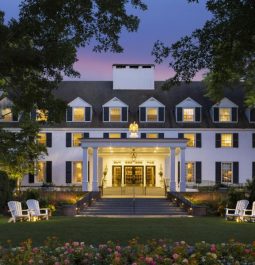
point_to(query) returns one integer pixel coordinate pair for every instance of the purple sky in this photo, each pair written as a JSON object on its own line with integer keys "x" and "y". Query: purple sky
{"x": 165, "y": 20}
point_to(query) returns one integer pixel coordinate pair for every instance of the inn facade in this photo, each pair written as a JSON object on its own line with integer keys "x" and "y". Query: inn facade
{"x": 179, "y": 138}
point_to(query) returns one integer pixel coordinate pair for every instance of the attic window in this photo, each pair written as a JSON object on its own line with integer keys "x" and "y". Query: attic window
{"x": 225, "y": 114}
{"x": 6, "y": 114}
{"x": 188, "y": 114}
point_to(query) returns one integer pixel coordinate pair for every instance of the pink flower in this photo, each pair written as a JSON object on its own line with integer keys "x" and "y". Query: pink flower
{"x": 148, "y": 260}
{"x": 76, "y": 244}
{"x": 213, "y": 248}
{"x": 66, "y": 262}
{"x": 175, "y": 256}
{"x": 118, "y": 248}
{"x": 247, "y": 251}
{"x": 67, "y": 245}
{"x": 31, "y": 261}
{"x": 35, "y": 250}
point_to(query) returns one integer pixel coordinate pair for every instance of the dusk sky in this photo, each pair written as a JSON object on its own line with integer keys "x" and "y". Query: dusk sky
{"x": 165, "y": 20}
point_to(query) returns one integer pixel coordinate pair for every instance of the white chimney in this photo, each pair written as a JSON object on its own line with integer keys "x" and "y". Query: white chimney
{"x": 133, "y": 76}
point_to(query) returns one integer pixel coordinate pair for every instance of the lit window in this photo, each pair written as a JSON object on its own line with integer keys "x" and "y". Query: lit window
{"x": 78, "y": 114}
{"x": 115, "y": 114}
{"x": 152, "y": 135}
{"x": 41, "y": 115}
{"x": 6, "y": 114}
{"x": 226, "y": 172}
{"x": 77, "y": 171}
{"x": 41, "y": 171}
{"x": 114, "y": 135}
{"x": 77, "y": 139}
{"x": 190, "y": 171}
{"x": 188, "y": 114}
{"x": 41, "y": 138}
{"x": 191, "y": 139}
{"x": 224, "y": 114}
{"x": 226, "y": 140}
{"x": 152, "y": 114}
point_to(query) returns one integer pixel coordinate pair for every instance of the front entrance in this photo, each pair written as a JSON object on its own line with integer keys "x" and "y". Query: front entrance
{"x": 133, "y": 175}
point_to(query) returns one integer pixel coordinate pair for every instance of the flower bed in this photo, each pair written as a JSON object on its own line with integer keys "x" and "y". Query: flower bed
{"x": 152, "y": 253}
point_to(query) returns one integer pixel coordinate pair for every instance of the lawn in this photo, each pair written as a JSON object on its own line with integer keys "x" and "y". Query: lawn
{"x": 99, "y": 230}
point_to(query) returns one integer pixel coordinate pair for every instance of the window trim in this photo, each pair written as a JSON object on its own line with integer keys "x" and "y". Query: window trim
{"x": 73, "y": 177}
{"x": 84, "y": 114}
{"x": 195, "y": 139}
{"x": 182, "y": 121}
{"x": 76, "y": 107}
{"x": 250, "y": 109}
{"x": 115, "y": 107}
{"x": 146, "y": 109}
{"x": 232, "y": 140}
{"x": 36, "y": 175}
{"x": 229, "y": 115}
{"x": 228, "y": 122}
{"x": 72, "y": 138}
{"x": 194, "y": 171}
{"x": 2, "y": 120}
{"x": 232, "y": 169}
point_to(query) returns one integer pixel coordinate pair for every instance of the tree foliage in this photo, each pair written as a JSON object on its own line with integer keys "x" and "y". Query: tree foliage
{"x": 225, "y": 46}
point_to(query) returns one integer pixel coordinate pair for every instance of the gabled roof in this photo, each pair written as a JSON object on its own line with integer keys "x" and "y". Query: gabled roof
{"x": 115, "y": 102}
{"x": 5, "y": 103}
{"x": 151, "y": 102}
{"x": 78, "y": 102}
{"x": 225, "y": 103}
{"x": 188, "y": 103}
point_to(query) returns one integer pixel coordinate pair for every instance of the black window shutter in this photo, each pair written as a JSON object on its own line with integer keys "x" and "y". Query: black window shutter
{"x": 198, "y": 140}
{"x": 15, "y": 116}
{"x": 234, "y": 114}
{"x": 217, "y": 140}
{"x": 124, "y": 112}
{"x": 49, "y": 139}
{"x": 252, "y": 114}
{"x": 88, "y": 114}
{"x": 235, "y": 140}
{"x": 179, "y": 114}
{"x": 179, "y": 172}
{"x": 216, "y": 114}
{"x": 69, "y": 114}
{"x": 253, "y": 140}
{"x": 68, "y": 139}
{"x": 123, "y": 135}
{"x": 142, "y": 114}
{"x": 33, "y": 114}
{"x": 106, "y": 114}
{"x": 198, "y": 114}
{"x": 106, "y": 135}
{"x": 161, "y": 135}
{"x": 253, "y": 169}
{"x": 86, "y": 135}
{"x": 236, "y": 172}
{"x": 31, "y": 178}
{"x": 143, "y": 135}
{"x": 218, "y": 172}
{"x": 68, "y": 172}
{"x": 198, "y": 172}
{"x": 161, "y": 114}
{"x": 48, "y": 171}
{"x": 181, "y": 135}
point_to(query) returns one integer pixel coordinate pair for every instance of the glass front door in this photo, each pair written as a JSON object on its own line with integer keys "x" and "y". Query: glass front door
{"x": 150, "y": 176}
{"x": 116, "y": 176}
{"x": 133, "y": 175}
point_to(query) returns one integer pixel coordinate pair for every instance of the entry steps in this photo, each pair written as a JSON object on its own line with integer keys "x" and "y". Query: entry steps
{"x": 130, "y": 191}
{"x": 121, "y": 207}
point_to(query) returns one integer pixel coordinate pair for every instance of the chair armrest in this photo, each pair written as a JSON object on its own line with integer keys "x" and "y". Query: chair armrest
{"x": 46, "y": 210}
{"x": 26, "y": 210}
{"x": 228, "y": 210}
{"x": 247, "y": 211}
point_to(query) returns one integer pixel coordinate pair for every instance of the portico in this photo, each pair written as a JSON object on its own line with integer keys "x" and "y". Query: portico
{"x": 156, "y": 163}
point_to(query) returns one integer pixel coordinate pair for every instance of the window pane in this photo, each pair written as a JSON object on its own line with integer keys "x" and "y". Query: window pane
{"x": 78, "y": 114}
{"x": 41, "y": 171}
{"x": 6, "y": 114}
{"x": 152, "y": 135}
{"x": 115, "y": 114}
{"x": 77, "y": 139}
{"x": 188, "y": 114}
{"x": 191, "y": 139}
{"x": 226, "y": 172}
{"x": 114, "y": 135}
{"x": 41, "y": 115}
{"x": 190, "y": 174}
{"x": 225, "y": 114}
{"x": 227, "y": 140}
{"x": 77, "y": 171}
{"x": 41, "y": 138}
{"x": 152, "y": 114}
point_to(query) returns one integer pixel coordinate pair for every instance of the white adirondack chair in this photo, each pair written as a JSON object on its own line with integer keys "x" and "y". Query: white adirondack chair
{"x": 238, "y": 212}
{"x": 17, "y": 213}
{"x": 251, "y": 216}
{"x": 36, "y": 212}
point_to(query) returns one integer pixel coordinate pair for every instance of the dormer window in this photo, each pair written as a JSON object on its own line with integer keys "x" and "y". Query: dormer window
{"x": 115, "y": 111}
{"x": 152, "y": 111}
{"x": 6, "y": 114}
{"x": 79, "y": 111}
{"x": 250, "y": 114}
{"x": 224, "y": 114}
{"x": 41, "y": 115}
{"x": 188, "y": 111}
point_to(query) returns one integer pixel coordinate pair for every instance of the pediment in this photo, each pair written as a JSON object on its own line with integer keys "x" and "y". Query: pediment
{"x": 188, "y": 103}
{"x": 115, "y": 102}
{"x": 152, "y": 102}
{"x": 78, "y": 102}
{"x": 225, "y": 103}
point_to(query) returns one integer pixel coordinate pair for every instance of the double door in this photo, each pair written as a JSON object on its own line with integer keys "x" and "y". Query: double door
{"x": 133, "y": 175}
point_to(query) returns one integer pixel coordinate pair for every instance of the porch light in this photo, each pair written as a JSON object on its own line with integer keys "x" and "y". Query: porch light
{"x": 133, "y": 128}
{"x": 133, "y": 156}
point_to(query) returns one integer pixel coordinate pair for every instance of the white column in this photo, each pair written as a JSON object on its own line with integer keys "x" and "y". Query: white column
{"x": 172, "y": 170}
{"x": 85, "y": 169}
{"x": 183, "y": 176}
{"x": 95, "y": 169}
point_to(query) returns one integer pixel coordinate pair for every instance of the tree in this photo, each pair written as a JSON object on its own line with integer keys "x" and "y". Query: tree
{"x": 225, "y": 46}
{"x": 37, "y": 50}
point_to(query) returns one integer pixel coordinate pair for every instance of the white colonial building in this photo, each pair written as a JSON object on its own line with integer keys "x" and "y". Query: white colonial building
{"x": 183, "y": 139}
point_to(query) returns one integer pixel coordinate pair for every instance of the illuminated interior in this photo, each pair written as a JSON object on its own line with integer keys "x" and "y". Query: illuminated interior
{"x": 226, "y": 172}
{"x": 115, "y": 114}
{"x": 152, "y": 135}
{"x": 225, "y": 114}
{"x": 41, "y": 171}
{"x": 78, "y": 114}
{"x": 114, "y": 135}
{"x": 77, "y": 139}
{"x": 188, "y": 114}
{"x": 77, "y": 171}
{"x": 6, "y": 114}
{"x": 41, "y": 115}
{"x": 227, "y": 140}
{"x": 152, "y": 114}
{"x": 190, "y": 174}
{"x": 191, "y": 139}
{"x": 41, "y": 138}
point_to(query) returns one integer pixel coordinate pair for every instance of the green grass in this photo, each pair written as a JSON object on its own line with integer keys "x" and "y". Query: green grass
{"x": 100, "y": 230}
